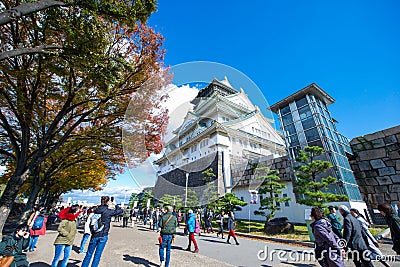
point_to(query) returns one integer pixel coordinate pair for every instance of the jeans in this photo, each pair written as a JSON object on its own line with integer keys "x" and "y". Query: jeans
{"x": 33, "y": 242}
{"x": 83, "y": 242}
{"x": 59, "y": 250}
{"x": 98, "y": 244}
{"x": 166, "y": 243}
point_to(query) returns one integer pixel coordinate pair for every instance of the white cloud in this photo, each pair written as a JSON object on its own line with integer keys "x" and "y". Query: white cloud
{"x": 178, "y": 104}
{"x": 119, "y": 193}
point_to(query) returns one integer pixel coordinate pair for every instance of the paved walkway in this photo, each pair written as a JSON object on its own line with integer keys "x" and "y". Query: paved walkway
{"x": 138, "y": 247}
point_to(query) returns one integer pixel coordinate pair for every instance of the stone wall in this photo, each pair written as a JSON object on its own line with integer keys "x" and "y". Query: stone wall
{"x": 376, "y": 166}
{"x": 174, "y": 182}
{"x": 244, "y": 173}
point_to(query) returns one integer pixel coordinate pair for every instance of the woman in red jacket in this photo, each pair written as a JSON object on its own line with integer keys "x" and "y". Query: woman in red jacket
{"x": 39, "y": 220}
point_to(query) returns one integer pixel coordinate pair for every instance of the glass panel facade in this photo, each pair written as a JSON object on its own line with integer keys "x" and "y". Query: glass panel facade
{"x": 305, "y": 112}
{"x": 287, "y": 119}
{"x": 312, "y": 134}
{"x": 315, "y": 123}
{"x": 308, "y": 123}
{"x": 301, "y": 102}
{"x": 290, "y": 129}
{"x": 285, "y": 110}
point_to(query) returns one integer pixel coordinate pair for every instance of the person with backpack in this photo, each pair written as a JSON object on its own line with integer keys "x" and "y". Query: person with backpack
{"x": 38, "y": 228}
{"x": 15, "y": 244}
{"x": 168, "y": 224}
{"x": 66, "y": 235}
{"x": 86, "y": 233}
{"x": 100, "y": 226}
{"x": 191, "y": 225}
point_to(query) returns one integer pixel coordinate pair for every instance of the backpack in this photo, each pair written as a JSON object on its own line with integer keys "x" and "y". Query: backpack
{"x": 96, "y": 225}
{"x": 38, "y": 223}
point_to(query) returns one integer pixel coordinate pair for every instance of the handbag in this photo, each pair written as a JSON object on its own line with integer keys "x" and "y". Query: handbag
{"x": 6, "y": 261}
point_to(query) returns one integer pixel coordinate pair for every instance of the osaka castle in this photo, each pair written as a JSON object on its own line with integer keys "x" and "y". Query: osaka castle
{"x": 223, "y": 131}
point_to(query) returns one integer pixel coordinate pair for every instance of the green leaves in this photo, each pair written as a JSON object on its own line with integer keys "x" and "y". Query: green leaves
{"x": 309, "y": 185}
{"x": 271, "y": 188}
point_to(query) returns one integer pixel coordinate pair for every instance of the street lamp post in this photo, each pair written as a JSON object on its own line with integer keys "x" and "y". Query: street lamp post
{"x": 186, "y": 187}
{"x": 126, "y": 190}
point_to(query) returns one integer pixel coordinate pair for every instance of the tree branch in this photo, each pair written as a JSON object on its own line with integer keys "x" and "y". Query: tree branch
{"x": 28, "y": 50}
{"x": 26, "y": 9}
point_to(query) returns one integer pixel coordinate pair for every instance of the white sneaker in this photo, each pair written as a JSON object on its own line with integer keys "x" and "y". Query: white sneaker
{"x": 162, "y": 264}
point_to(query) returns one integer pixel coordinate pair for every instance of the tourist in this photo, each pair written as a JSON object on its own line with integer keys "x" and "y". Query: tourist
{"x": 66, "y": 235}
{"x": 352, "y": 234}
{"x": 208, "y": 221}
{"x": 168, "y": 224}
{"x": 327, "y": 250}
{"x": 86, "y": 233}
{"x": 112, "y": 206}
{"x": 231, "y": 228}
{"x": 220, "y": 221}
{"x": 191, "y": 225}
{"x": 15, "y": 244}
{"x": 38, "y": 228}
{"x": 156, "y": 218}
{"x": 393, "y": 222}
{"x": 197, "y": 228}
{"x": 369, "y": 239}
{"x": 126, "y": 215}
{"x": 99, "y": 239}
{"x": 336, "y": 225}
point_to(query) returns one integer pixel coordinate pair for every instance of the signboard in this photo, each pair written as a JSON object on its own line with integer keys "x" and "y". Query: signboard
{"x": 253, "y": 197}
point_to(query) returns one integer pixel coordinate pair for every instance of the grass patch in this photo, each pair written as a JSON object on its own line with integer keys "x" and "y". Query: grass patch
{"x": 300, "y": 232}
{"x": 377, "y": 230}
{"x": 256, "y": 228}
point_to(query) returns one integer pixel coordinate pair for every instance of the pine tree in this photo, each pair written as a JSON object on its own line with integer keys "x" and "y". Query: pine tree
{"x": 272, "y": 188}
{"x": 230, "y": 202}
{"x": 210, "y": 193}
{"x": 314, "y": 191}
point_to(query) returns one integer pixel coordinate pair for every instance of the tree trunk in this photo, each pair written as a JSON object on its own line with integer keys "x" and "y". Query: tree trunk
{"x": 9, "y": 195}
{"x": 28, "y": 209}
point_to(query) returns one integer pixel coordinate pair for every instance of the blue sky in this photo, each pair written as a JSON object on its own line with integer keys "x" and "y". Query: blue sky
{"x": 349, "y": 48}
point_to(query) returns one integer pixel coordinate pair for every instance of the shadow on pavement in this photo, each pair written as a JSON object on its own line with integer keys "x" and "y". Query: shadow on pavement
{"x": 137, "y": 260}
{"x": 214, "y": 241}
{"x": 297, "y": 264}
{"x": 42, "y": 264}
{"x": 177, "y": 248}
{"x": 76, "y": 248}
{"x": 39, "y": 264}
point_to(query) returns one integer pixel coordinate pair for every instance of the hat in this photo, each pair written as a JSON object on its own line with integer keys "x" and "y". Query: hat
{"x": 344, "y": 208}
{"x": 190, "y": 211}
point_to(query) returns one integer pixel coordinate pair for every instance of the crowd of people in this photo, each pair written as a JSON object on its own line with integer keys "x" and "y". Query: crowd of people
{"x": 96, "y": 226}
{"x": 334, "y": 241}
{"x": 359, "y": 244}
